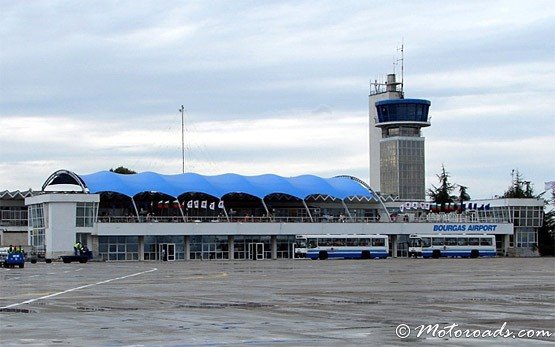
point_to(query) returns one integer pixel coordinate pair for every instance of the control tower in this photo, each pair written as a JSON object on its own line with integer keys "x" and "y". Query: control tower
{"x": 396, "y": 125}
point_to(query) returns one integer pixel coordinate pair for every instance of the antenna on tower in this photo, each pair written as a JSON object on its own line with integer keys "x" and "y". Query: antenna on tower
{"x": 402, "y": 61}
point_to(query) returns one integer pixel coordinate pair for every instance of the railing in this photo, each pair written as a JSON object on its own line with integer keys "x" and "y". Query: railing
{"x": 474, "y": 217}
{"x": 232, "y": 219}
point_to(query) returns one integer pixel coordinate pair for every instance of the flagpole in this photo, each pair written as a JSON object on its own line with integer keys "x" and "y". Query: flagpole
{"x": 182, "y": 109}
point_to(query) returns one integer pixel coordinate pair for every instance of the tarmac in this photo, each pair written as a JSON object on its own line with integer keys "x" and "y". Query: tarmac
{"x": 280, "y": 302}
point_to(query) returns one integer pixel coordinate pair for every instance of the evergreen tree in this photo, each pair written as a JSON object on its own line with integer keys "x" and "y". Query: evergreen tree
{"x": 519, "y": 188}
{"x": 442, "y": 195}
{"x": 463, "y": 195}
{"x": 546, "y": 234}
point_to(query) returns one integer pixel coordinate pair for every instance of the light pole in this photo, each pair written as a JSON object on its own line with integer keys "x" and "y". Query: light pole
{"x": 182, "y": 110}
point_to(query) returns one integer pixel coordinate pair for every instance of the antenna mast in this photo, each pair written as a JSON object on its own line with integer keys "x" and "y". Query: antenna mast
{"x": 402, "y": 60}
{"x": 182, "y": 110}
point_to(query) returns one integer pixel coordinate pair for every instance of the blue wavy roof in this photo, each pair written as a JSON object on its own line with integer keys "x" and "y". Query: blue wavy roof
{"x": 220, "y": 185}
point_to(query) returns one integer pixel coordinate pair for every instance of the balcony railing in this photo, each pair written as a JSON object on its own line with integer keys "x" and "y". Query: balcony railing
{"x": 232, "y": 219}
{"x": 475, "y": 217}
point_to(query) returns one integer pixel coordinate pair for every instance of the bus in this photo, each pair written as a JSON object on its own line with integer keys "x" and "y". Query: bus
{"x": 452, "y": 245}
{"x": 342, "y": 246}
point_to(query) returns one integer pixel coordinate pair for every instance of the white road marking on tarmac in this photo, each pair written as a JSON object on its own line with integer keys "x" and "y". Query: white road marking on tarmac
{"x": 76, "y": 288}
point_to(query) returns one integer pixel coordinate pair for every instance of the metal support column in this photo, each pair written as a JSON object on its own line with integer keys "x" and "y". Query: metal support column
{"x": 347, "y": 210}
{"x": 506, "y": 241}
{"x": 394, "y": 246}
{"x": 308, "y": 211}
{"x": 181, "y": 210}
{"x": 273, "y": 240}
{"x": 231, "y": 247}
{"x": 187, "y": 247}
{"x": 265, "y": 207}
{"x": 136, "y": 210}
{"x": 141, "y": 248}
{"x": 225, "y": 212}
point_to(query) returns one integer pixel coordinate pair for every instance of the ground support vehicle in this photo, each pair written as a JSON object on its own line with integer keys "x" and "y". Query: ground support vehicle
{"x": 12, "y": 259}
{"x": 38, "y": 254}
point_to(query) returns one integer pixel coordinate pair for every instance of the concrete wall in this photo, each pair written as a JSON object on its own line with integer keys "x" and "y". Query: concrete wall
{"x": 14, "y": 238}
{"x": 130, "y": 229}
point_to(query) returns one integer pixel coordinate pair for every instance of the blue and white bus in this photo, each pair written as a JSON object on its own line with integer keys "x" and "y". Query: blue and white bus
{"x": 343, "y": 246}
{"x": 452, "y": 245}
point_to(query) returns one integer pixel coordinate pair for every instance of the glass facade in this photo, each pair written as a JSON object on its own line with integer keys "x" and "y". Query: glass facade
{"x": 37, "y": 224}
{"x": 405, "y": 110}
{"x": 207, "y": 247}
{"x": 85, "y": 213}
{"x": 402, "y": 168}
{"x": 13, "y": 216}
{"x": 118, "y": 247}
{"x": 527, "y": 220}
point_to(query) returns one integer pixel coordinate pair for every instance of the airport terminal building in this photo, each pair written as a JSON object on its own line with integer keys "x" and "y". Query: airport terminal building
{"x": 190, "y": 216}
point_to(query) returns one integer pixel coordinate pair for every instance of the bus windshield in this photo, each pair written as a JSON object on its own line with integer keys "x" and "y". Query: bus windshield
{"x": 415, "y": 242}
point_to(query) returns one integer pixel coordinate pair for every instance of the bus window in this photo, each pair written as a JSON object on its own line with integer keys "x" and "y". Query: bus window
{"x": 352, "y": 242}
{"x": 378, "y": 242}
{"x": 474, "y": 241}
{"x": 437, "y": 241}
{"x": 312, "y": 243}
{"x": 338, "y": 242}
{"x": 462, "y": 241}
{"x": 364, "y": 242}
{"x": 450, "y": 241}
{"x": 426, "y": 242}
{"x": 300, "y": 243}
{"x": 485, "y": 241}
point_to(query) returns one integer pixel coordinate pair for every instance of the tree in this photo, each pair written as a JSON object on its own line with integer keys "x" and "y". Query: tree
{"x": 442, "y": 195}
{"x": 463, "y": 195}
{"x": 546, "y": 234}
{"x": 519, "y": 188}
{"x": 123, "y": 170}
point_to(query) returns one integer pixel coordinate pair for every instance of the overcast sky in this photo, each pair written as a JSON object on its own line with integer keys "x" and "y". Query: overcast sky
{"x": 272, "y": 87}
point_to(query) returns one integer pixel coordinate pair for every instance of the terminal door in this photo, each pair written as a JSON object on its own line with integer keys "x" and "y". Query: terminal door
{"x": 166, "y": 251}
{"x": 256, "y": 251}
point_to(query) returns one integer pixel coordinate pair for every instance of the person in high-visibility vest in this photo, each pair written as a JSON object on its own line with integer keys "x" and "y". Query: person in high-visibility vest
{"x": 77, "y": 248}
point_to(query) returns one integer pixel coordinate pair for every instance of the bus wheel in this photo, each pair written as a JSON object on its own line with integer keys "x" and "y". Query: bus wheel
{"x": 323, "y": 255}
{"x": 33, "y": 261}
{"x": 474, "y": 253}
{"x": 365, "y": 255}
{"x": 436, "y": 253}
